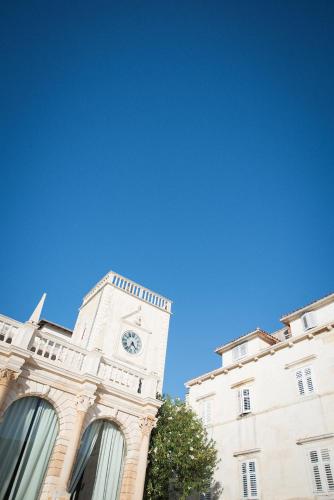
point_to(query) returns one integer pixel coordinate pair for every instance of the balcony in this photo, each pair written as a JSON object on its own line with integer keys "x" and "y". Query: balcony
{"x": 62, "y": 356}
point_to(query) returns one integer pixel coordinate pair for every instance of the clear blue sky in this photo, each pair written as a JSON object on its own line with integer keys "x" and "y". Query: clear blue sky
{"x": 187, "y": 145}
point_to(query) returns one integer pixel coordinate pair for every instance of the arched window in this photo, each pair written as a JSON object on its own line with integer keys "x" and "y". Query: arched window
{"x": 27, "y": 434}
{"x": 98, "y": 469}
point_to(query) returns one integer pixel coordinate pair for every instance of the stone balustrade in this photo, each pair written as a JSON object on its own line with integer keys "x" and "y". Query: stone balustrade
{"x": 58, "y": 351}
{"x": 132, "y": 288}
{"x": 121, "y": 376}
{"x": 64, "y": 354}
{"x": 8, "y": 329}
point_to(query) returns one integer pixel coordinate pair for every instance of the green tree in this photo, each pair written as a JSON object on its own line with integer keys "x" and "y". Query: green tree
{"x": 181, "y": 457}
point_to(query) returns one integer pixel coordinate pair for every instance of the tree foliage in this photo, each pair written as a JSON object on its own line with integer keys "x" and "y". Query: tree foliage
{"x": 181, "y": 457}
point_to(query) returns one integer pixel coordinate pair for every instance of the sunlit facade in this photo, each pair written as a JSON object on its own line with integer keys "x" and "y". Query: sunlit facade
{"x": 270, "y": 409}
{"x": 77, "y": 407}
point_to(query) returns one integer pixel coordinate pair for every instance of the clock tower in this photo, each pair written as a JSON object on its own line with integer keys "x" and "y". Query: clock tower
{"x": 127, "y": 323}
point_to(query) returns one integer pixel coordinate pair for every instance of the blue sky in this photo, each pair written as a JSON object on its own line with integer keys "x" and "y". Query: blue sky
{"x": 185, "y": 145}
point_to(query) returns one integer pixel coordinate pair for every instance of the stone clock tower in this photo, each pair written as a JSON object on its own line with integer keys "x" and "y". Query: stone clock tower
{"x": 127, "y": 323}
{"x": 99, "y": 383}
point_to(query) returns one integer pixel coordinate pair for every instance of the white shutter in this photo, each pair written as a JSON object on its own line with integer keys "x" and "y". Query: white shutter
{"x": 300, "y": 382}
{"x": 308, "y": 320}
{"x": 206, "y": 411}
{"x": 322, "y": 469}
{"x": 305, "y": 380}
{"x": 308, "y": 379}
{"x": 244, "y": 397}
{"x": 239, "y": 351}
{"x": 249, "y": 480}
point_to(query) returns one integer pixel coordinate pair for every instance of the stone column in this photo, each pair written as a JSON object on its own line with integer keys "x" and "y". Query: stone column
{"x": 146, "y": 425}
{"x": 6, "y": 376}
{"x": 83, "y": 402}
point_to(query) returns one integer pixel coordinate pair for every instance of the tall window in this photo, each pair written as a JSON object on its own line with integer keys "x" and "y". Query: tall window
{"x": 244, "y": 399}
{"x": 27, "y": 436}
{"x": 239, "y": 351}
{"x": 206, "y": 411}
{"x": 305, "y": 383}
{"x": 322, "y": 470}
{"x": 249, "y": 480}
{"x": 98, "y": 469}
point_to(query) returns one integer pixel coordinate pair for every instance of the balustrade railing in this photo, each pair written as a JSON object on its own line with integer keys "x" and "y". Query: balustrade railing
{"x": 58, "y": 351}
{"x": 62, "y": 353}
{"x": 120, "y": 376}
{"x": 8, "y": 329}
{"x": 132, "y": 288}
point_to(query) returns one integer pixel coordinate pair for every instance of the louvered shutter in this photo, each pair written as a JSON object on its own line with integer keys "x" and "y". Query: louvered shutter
{"x": 300, "y": 382}
{"x": 252, "y": 479}
{"x": 314, "y": 457}
{"x": 244, "y": 397}
{"x": 305, "y": 380}
{"x": 249, "y": 480}
{"x": 322, "y": 469}
{"x": 242, "y": 349}
{"x": 308, "y": 320}
{"x": 308, "y": 379}
{"x": 244, "y": 480}
{"x": 206, "y": 411}
{"x": 239, "y": 351}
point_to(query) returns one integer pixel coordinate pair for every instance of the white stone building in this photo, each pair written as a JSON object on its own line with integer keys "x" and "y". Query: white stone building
{"x": 270, "y": 409}
{"x": 77, "y": 407}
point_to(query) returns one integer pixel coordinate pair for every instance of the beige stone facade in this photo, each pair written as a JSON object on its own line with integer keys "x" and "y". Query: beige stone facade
{"x": 270, "y": 409}
{"x": 87, "y": 374}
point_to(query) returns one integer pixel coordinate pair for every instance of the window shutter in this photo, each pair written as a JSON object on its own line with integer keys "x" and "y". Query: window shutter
{"x": 247, "y": 400}
{"x": 328, "y": 468}
{"x": 244, "y": 480}
{"x": 242, "y": 349}
{"x": 235, "y": 353}
{"x": 322, "y": 469}
{"x": 249, "y": 480}
{"x": 206, "y": 411}
{"x": 308, "y": 320}
{"x": 300, "y": 383}
{"x": 305, "y": 381}
{"x": 239, "y": 351}
{"x": 252, "y": 479}
{"x": 244, "y": 398}
{"x": 308, "y": 377}
{"x": 316, "y": 471}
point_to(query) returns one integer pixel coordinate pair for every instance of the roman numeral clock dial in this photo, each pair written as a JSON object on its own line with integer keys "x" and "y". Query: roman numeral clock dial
{"x": 131, "y": 342}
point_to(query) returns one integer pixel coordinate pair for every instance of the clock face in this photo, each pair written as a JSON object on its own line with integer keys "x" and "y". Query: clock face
{"x": 131, "y": 342}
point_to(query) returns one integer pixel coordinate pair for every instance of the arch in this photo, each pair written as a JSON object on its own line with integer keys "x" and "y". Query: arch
{"x": 28, "y": 433}
{"x": 97, "y": 473}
